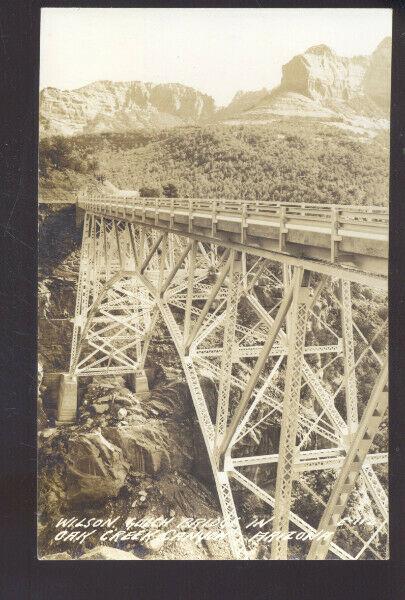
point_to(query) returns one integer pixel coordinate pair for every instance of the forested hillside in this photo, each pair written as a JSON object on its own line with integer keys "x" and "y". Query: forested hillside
{"x": 298, "y": 160}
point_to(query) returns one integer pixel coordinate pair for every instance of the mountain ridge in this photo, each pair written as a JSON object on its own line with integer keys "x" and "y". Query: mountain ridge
{"x": 315, "y": 84}
{"x": 118, "y": 106}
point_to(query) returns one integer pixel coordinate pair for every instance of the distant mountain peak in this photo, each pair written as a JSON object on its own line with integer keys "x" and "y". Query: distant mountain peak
{"x": 321, "y": 84}
{"x": 321, "y": 49}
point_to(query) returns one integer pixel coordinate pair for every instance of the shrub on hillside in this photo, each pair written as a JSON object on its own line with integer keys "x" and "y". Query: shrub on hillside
{"x": 149, "y": 192}
{"x": 289, "y": 160}
{"x": 170, "y": 191}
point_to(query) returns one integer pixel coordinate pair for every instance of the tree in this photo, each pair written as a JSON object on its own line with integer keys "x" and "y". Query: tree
{"x": 170, "y": 190}
{"x": 149, "y": 192}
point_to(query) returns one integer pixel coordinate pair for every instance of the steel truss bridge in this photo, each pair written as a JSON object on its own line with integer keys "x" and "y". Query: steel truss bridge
{"x": 257, "y": 297}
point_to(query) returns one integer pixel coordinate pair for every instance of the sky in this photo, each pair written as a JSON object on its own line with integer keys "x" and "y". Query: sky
{"x": 216, "y": 51}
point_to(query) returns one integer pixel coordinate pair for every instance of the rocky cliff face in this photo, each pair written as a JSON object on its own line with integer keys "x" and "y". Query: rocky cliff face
{"x": 241, "y": 102}
{"x": 322, "y": 75}
{"x": 377, "y": 79}
{"x": 321, "y": 84}
{"x": 121, "y": 106}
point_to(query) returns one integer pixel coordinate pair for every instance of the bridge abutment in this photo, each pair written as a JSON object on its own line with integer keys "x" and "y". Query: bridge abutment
{"x": 67, "y": 399}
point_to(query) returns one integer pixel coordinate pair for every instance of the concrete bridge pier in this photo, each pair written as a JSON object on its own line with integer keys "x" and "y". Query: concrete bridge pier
{"x": 67, "y": 399}
{"x": 139, "y": 382}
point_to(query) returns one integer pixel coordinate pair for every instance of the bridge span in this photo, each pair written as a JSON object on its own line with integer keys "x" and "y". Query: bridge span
{"x": 257, "y": 297}
{"x": 348, "y": 236}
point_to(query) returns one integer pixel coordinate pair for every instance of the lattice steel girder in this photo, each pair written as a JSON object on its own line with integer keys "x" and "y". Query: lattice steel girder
{"x": 310, "y": 460}
{"x": 152, "y": 252}
{"x": 113, "y": 315}
{"x": 82, "y": 286}
{"x": 266, "y": 497}
{"x": 305, "y": 465}
{"x": 348, "y": 356}
{"x": 277, "y": 350}
{"x": 373, "y": 484}
{"x": 174, "y": 270}
{"x": 356, "y": 455}
{"x": 108, "y": 248}
{"x": 221, "y": 479}
{"x": 289, "y": 423}
{"x": 235, "y": 219}
{"x": 251, "y": 382}
{"x": 325, "y": 399}
{"x": 215, "y": 289}
{"x": 271, "y": 401}
{"x": 214, "y": 320}
{"x": 89, "y": 316}
{"x": 242, "y": 428}
{"x": 234, "y": 285}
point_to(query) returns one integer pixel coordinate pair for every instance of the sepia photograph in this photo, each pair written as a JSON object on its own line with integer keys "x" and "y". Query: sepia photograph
{"x": 213, "y": 219}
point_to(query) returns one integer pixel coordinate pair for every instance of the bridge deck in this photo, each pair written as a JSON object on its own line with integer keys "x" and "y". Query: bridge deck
{"x": 356, "y": 236}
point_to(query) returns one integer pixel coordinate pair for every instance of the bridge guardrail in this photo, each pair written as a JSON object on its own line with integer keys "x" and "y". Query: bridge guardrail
{"x": 323, "y": 212}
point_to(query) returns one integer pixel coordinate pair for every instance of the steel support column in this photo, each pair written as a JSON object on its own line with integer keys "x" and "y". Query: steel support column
{"x": 289, "y": 423}
{"x": 235, "y": 276}
{"x": 348, "y": 355}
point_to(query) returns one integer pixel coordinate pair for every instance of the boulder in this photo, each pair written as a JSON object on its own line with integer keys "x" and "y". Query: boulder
{"x": 107, "y": 553}
{"x": 100, "y": 408}
{"x": 170, "y": 400}
{"x": 96, "y": 469}
{"x": 122, "y": 401}
{"x": 103, "y": 400}
{"x": 122, "y": 413}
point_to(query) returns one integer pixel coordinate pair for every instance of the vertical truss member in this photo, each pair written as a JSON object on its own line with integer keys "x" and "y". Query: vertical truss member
{"x": 285, "y": 469}
{"x": 348, "y": 354}
{"x": 235, "y": 276}
{"x": 82, "y": 293}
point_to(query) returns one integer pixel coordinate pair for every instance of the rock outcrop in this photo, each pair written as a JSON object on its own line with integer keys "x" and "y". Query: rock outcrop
{"x": 377, "y": 79}
{"x": 96, "y": 469}
{"x": 321, "y": 74}
{"x": 242, "y": 101}
{"x": 320, "y": 84}
{"x": 121, "y": 106}
{"x": 137, "y": 448}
